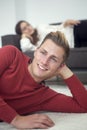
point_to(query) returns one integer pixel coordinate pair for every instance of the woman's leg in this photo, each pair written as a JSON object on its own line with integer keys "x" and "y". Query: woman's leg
{"x": 80, "y": 34}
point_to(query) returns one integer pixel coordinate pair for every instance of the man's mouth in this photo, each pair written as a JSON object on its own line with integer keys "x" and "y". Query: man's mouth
{"x": 42, "y": 67}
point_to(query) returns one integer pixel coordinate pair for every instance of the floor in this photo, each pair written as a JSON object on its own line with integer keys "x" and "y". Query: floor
{"x": 63, "y": 121}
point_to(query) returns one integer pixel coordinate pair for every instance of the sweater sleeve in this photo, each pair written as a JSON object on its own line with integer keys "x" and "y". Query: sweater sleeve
{"x": 7, "y": 113}
{"x": 78, "y": 91}
{"x": 7, "y": 54}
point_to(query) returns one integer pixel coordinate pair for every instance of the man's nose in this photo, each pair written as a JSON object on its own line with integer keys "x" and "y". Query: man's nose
{"x": 45, "y": 60}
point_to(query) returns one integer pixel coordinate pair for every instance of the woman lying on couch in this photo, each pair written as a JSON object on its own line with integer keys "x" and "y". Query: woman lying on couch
{"x": 74, "y": 30}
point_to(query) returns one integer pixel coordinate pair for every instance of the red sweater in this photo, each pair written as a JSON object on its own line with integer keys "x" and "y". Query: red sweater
{"x": 20, "y": 94}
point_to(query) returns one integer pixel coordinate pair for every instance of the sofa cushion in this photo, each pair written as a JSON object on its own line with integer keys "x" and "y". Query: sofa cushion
{"x": 77, "y": 58}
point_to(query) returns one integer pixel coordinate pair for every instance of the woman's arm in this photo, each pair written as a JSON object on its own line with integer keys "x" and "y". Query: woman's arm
{"x": 26, "y": 45}
{"x": 71, "y": 22}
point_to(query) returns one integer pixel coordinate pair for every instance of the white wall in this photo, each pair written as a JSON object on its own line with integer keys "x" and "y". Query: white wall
{"x": 7, "y": 16}
{"x": 46, "y": 11}
{"x": 39, "y": 11}
{"x": 20, "y": 9}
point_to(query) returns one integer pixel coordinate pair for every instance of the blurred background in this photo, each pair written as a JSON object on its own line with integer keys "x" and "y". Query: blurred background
{"x": 39, "y": 12}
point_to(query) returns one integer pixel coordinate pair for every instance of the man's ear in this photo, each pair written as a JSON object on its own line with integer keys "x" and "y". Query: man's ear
{"x": 61, "y": 65}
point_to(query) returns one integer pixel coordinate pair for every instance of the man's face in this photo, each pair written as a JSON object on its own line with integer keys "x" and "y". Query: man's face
{"x": 47, "y": 59}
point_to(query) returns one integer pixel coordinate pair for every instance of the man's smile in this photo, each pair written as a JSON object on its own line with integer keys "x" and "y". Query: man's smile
{"x": 42, "y": 67}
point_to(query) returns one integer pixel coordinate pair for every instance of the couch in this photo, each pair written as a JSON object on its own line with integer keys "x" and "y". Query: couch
{"x": 77, "y": 59}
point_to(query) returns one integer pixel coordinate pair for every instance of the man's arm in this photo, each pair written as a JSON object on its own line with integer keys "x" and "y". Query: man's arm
{"x": 6, "y": 112}
{"x": 77, "y": 89}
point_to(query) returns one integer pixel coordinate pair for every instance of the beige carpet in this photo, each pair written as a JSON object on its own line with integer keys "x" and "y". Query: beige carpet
{"x": 63, "y": 121}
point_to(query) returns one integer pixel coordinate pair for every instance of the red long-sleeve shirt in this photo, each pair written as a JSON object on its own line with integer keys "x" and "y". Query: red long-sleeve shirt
{"x": 20, "y": 94}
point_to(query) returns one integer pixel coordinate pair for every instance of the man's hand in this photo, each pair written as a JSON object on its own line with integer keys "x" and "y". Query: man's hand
{"x": 32, "y": 121}
{"x": 64, "y": 72}
{"x": 71, "y": 22}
